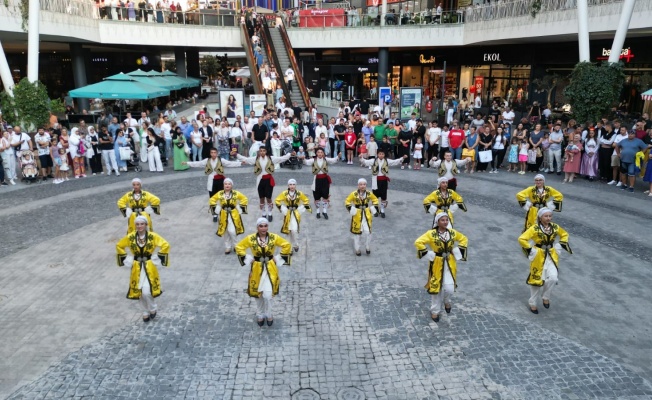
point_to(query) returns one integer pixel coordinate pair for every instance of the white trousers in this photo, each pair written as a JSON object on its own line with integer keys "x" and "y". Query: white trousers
{"x": 443, "y": 297}
{"x": 550, "y": 277}
{"x": 357, "y": 239}
{"x": 9, "y": 164}
{"x": 264, "y": 305}
{"x": 154, "y": 159}
{"x": 554, "y": 155}
{"x": 146, "y": 299}
{"x": 109, "y": 160}
{"x": 230, "y": 237}
{"x": 294, "y": 238}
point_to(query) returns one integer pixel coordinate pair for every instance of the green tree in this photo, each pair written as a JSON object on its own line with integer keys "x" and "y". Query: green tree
{"x": 224, "y": 65}
{"x": 210, "y": 66}
{"x": 171, "y": 65}
{"x": 594, "y": 89}
{"x": 30, "y": 107}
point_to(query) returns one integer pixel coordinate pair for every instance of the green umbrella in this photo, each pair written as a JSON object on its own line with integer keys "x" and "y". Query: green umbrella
{"x": 181, "y": 82}
{"x": 189, "y": 81}
{"x": 120, "y": 86}
{"x": 149, "y": 79}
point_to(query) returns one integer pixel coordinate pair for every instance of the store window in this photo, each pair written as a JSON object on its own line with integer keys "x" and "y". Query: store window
{"x": 496, "y": 82}
{"x": 430, "y": 79}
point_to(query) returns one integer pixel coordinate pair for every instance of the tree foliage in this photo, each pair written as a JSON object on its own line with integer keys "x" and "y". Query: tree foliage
{"x": 171, "y": 65}
{"x": 594, "y": 89}
{"x": 30, "y": 107}
{"x": 209, "y": 66}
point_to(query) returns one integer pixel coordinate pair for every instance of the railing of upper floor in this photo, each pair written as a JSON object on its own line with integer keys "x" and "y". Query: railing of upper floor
{"x": 111, "y": 11}
{"x": 322, "y": 18}
{"x": 540, "y": 11}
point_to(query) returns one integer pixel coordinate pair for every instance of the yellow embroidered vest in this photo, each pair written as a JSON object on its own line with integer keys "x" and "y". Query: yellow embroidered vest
{"x": 268, "y": 169}
{"x": 374, "y": 168}
{"x": 442, "y": 168}
{"x": 219, "y": 168}
{"x": 316, "y": 169}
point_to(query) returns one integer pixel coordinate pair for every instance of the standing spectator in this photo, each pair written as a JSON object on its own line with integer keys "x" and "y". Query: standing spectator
{"x": 647, "y": 177}
{"x": 404, "y": 141}
{"x": 508, "y": 118}
{"x": 260, "y": 134}
{"x": 498, "y": 150}
{"x": 77, "y": 152}
{"x": 131, "y": 122}
{"x": 349, "y": 141}
{"x": 605, "y": 152}
{"x": 96, "y": 160}
{"x": 197, "y": 142}
{"x": 589, "y": 166}
{"x": 42, "y": 140}
{"x": 236, "y": 137}
{"x": 120, "y": 141}
{"x": 456, "y": 140}
{"x": 153, "y": 154}
{"x": 627, "y": 150}
{"x": 432, "y": 138}
{"x": 535, "y": 142}
{"x": 471, "y": 142}
{"x": 486, "y": 142}
{"x": 444, "y": 143}
{"x": 554, "y": 151}
{"x": 222, "y": 140}
{"x": 108, "y": 155}
{"x": 574, "y": 159}
{"x": 615, "y": 157}
{"x": 8, "y": 159}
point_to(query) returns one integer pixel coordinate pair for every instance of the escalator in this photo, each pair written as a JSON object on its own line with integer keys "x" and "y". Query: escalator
{"x": 251, "y": 59}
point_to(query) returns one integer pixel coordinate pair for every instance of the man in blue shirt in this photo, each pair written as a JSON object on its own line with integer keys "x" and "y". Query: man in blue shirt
{"x": 626, "y": 150}
{"x": 113, "y": 127}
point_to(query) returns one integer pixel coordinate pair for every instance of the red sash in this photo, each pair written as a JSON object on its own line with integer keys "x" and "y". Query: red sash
{"x": 218, "y": 177}
{"x": 270, "y": 178}
{"x": 383, "y": 178}
{"x": 322, "y": 176}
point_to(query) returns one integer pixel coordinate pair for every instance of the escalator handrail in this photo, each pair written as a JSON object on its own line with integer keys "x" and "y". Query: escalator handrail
{"x": 253, "y": 65}
{"x": 272, "y": 58}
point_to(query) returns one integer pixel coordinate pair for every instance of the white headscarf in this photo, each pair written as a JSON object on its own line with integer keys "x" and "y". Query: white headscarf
{"x": 229, "y": 180}
{"x": 292, "y": 182}
{"x": 439, "y": 216}
{"x": 542, "y": 211}
{"x": 140, "y": 218}
{"x": 442, "y": 179}
{"x": 136, "y": 180}
{"x": 539, "y": 176}
{"x": 362, "y": 180}
{"x": 261, "y": 221}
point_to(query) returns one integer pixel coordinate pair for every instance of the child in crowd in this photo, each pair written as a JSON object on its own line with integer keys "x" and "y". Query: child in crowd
{"x": 349, "y": 143}
{"x": 522, "y": 155}
{"x": 545, "y": 145}
{"x": 512, "y": 156}
{"x": 323, "y": 143}
{"x": 568, "y": 154}
{"x": 310, "y": 146}
{"x": 301, "y": 154}
{"x": 362, "y": 146}
{"x": 63, "y": 165}
{"x": 372, "y": 148}
{"x": 418, "y": 154}
{"x": 275, "y": 142}
{"x": 386, "y": 146}
{"x": 56, "y": 160}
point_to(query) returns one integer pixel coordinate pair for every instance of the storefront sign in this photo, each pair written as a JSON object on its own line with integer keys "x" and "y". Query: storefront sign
{"x": 316, "y": 69}
{"x": 491, "y": 57}
{"x": 319, "y": 18}
{"x": 625, "y": 54}
{"x": 424, "y": 60}
{"x": 363, "y": 69}
{"x": 373, "y": 61}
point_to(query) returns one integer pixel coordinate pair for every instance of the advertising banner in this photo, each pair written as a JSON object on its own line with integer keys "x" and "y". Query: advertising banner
{"x": 478, "y": 83}
{"x": 319, "y": 18}
{"x": 411, "y": 102}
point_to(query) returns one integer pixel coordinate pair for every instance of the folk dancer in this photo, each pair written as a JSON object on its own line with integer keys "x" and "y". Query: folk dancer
{"x": 138, "y": 202}
{"x": 144, "y": 280}
{"x": 443, "y": 200}
{"x": 536, "y": 197}
{"x": 448, "y": 168}
{"x": 264, "y": 171}
{"x": 361, "y": 204}
{"x": 292, "y": 203}
{"x": 227, "y": 205}
{"x": 214, "y": 170}
{"x": 543, "y": 256}
{"x": 442, "y": 247}
{"x": 380, "y": 176}
{"x": 264, "y": 280}
{"x": 321, "y": 182}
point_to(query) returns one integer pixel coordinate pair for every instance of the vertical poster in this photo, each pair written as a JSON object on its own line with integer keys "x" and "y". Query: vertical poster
{"x": 384, "y": 96}
{"x": 478, "y": 84}
{"x": 232, "y": 103}
{"x": 410, "y": 102}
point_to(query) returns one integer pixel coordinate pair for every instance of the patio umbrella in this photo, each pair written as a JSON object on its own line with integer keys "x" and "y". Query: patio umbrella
{"x": 189, "y": 81}
{"x": 120, "y": 86}
{"x": 243, "y": 72}
{"x": 181, "y": 82}
{"x": 159, "y": 81}
{"x": 647, "y": 95}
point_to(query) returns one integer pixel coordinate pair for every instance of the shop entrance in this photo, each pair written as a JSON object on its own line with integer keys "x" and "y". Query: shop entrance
{"x": 503, "y": 83}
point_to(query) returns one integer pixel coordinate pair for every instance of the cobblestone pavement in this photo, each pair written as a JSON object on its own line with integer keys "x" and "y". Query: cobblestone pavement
{"x": 335, "y": 340}
{"x": 347, "y": 327}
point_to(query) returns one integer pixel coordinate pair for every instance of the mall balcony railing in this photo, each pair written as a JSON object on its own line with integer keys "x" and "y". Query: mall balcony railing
{"x": 549, "y": 10}
{"x": 424, "y": 19}
{"x": 88, "y": 9}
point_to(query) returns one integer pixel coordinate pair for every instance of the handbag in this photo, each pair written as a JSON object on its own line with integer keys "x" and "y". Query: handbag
{"x": 485, "y": 156}
{"x": 468, "y": 153}
{"x": 531, "y": 157}
{"x": 539, "y": 153}
{"x": 125, "y": 153}
{"x": 186, "y": 149}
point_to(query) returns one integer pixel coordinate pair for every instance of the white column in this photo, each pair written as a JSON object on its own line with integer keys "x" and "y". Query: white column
{"x": 5, "y": 72}
{"x": 621, "y": 32}
{"x": 583, "y": 29}
{"x": 383, "y": 13}
{"x": 33, "y": 40}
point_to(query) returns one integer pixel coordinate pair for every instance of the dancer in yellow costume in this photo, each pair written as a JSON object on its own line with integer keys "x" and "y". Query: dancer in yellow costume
{"x": 361, "y": 204}
{"x": 538, "y": 243}
{"x": 263, "y": 279}
{"x": 537, "y": 197}
{"x": 144, "y": 282}
{"x": 447, "y": 246}
{"x": 292, "y": 203}
{"x": 138, "y": 202}
{"x": 443, "y": 200}
{"x": 227, "y": 205}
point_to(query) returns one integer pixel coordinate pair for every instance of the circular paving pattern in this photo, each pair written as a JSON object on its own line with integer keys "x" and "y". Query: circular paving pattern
{"x": 334, "y": 340}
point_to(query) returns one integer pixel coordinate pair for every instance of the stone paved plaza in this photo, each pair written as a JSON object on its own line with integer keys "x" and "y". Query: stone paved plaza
{"x": 346, "y": 327}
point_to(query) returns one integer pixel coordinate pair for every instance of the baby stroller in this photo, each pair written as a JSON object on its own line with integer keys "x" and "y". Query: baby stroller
{"x": 28, "y": 166}
{"x": 293, "y": 162}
